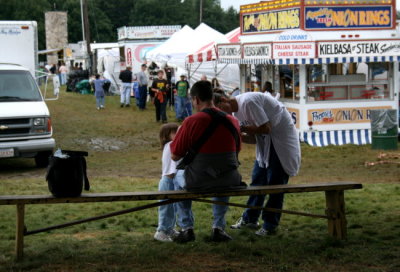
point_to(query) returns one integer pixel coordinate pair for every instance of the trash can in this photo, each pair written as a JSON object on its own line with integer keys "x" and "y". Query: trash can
{"x": 83, "y": 86}
{"x": 384, "y": 129}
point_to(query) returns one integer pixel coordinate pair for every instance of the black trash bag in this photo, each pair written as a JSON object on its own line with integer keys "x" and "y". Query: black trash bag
{"x": 66, "y": 173}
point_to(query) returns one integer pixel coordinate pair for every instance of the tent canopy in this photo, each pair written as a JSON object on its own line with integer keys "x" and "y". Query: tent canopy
{"x": 208, "y": 51}
{"x": 174, "y": 51}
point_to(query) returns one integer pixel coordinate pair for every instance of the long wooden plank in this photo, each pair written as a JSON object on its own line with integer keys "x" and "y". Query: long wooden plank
{"x": 155, "y": 195}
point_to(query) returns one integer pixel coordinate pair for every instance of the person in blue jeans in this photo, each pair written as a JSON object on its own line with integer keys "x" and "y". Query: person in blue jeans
{"x": 261, "y": 176}
{"x": 143, "y": 82}
{"x": 126, "y": 78}
{"x": 265, "y": 122}
{"x": 99, "y": 91}
{"x": 182, "y": 101}
{"x": 215, "y": 164}
{"x": 166, "y": 213}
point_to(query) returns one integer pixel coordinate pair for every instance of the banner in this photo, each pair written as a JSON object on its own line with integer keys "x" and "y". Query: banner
{"x": 341, "y": 115}
{"x": 292, "y": 44}
{"x": 359, "y": 48}
{"x": 265, "y": 21}
{"x": 147, "y": 32}
{"x": 348, "y": 17}
{"x": 294, "y": 50}
{"x": 257, "y": 51}
{"x": 229, "y": 51}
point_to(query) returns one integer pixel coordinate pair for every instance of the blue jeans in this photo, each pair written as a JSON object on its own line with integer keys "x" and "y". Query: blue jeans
{"x": 272, "y": 175}
{"x": 142, "y": 97}
{"x": 63, "y": 78}
{"x": 126, "y": 93}
{"x": 184, "y": 208}
{"x": 181, "y": 108}
{"x": 166, "y": 213}
{"x": 99, "y": 101}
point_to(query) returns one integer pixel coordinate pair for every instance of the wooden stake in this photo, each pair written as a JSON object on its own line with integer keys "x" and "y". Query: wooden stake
{"x": 335, "y": 210}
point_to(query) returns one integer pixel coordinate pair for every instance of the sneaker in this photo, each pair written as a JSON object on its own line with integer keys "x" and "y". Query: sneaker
{"x": 173, "y": 233}
{"x": 219, "y": 235}
{"x": 122, "y": 105}
{"x": 162, "y": 236}
{"x": 264, "y": 232}
{"x": 127, "y": 105}
{"x": 185, "y": 236}
{"x": 241, "y": 223}
{"x": 98, "y": 108}
{"x": 101, "y": 107}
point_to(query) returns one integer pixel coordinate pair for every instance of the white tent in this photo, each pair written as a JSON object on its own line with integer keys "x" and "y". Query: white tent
{"x": 174, "y": 51}
{"x": 108, "y": 59}
{"x": 175, "y": 44}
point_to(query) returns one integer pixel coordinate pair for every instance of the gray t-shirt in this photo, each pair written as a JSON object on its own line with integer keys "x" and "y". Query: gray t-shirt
{"x": 142, "y": 78}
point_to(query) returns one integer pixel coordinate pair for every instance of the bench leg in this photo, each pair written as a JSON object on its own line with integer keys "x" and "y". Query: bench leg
{"x": 335, "y": 210}
{"x": 19, "y": 236}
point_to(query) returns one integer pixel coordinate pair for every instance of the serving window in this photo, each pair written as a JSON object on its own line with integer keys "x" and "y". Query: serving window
{"x": 289, "y": 82}
{"x": 348, "y": 81}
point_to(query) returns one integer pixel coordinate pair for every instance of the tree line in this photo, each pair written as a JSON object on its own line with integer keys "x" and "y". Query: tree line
{"x": 106, "y": 16}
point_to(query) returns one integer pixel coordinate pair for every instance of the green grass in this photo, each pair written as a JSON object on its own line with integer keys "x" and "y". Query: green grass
{"x": 125, "y": 243}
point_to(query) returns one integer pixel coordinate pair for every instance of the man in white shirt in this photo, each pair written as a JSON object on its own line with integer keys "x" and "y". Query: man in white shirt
{"x": 277, "y": 152}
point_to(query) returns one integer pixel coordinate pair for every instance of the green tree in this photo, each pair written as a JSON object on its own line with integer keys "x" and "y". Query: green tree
{"x": 105, "y": 16}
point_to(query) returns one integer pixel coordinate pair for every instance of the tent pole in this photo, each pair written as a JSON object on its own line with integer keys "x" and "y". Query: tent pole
{"x": 220, "y": 71}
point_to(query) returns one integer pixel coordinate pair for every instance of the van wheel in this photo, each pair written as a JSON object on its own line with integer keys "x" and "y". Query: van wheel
{"x": 42, "y": 159}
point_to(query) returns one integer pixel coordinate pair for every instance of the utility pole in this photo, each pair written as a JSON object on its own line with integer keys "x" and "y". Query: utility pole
{"x": 83, "y": 25}
{"x": 86, "y": 31}
{"x": 201, "y": 11}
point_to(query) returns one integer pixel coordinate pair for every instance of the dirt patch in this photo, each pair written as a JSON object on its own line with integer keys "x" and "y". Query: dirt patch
{"x": 102, "y": 144}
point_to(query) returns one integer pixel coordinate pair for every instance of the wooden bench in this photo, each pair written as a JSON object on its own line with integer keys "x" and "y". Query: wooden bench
{"x": 334, "y": 194}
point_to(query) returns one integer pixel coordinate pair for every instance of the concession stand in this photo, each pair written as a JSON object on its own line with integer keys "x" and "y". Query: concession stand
{"x": 332, "y": 62}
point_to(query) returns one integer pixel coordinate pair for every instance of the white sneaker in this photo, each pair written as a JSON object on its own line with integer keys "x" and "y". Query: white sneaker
{"x": 98, "y": 108}
{"x": 162, "y": 236}
{"x": 241, "y": 223}
{"x": 101, "y": 107}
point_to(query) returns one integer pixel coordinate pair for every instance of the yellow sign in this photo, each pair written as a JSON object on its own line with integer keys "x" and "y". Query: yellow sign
{"x": 341, "y": 115}
{"x": 295, "y": 116}
{"x": 68, "y": 52}
{"x": 272, "y": 20}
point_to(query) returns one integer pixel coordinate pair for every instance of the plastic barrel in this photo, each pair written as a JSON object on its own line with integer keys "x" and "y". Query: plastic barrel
{"x": 384, "y": 129}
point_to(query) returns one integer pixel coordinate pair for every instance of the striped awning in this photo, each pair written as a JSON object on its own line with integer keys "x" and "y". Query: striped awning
{"x": 312, "y": 61}
{"x": 336, "y": 137}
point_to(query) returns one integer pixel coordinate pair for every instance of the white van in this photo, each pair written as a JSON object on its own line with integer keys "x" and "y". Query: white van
{"x": 25, "y": 124}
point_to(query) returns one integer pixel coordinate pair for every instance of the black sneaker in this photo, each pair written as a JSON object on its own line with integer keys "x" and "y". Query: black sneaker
{"x": 219, "y": 235}
{"x": 185, "y": 236}
{"x": 122, "y": 105}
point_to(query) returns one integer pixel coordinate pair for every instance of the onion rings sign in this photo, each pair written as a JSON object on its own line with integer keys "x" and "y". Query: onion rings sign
{"x": 341, "y": 115}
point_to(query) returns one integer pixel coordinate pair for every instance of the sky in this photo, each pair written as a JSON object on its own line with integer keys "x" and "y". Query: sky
{"x": 225, "y": 4}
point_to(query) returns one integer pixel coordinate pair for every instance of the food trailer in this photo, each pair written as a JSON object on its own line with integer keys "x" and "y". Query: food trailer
{"x": 332, "y": 62}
